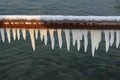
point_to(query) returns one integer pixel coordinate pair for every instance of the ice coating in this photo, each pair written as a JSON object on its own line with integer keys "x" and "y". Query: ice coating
{"x": 61, "y": 17}
{"x": 75, "y": 38}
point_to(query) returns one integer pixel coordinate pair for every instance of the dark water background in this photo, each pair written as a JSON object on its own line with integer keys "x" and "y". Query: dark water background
{"x": 19, "y": 62}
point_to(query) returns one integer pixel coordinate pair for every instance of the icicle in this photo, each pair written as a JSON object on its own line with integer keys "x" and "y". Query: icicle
{"x": 24, "y": 33}
{"x": 36, "y": 34}
{"x": 85, "y": 32}
{"x": 111, "y": 37}
{"x": 95, "y": 39}
{"x": 107, "y": 41}
{"x": 14, "y": 33}
{"x": 2, "y": 34}
{"x": 79, "y": 38}
{"x": 8, "y": 34}
{"x": 18, "y": 34}
{"x": 59, "y": 37}
{"x": 43, "y": 35}
{"x": 74, "y": 36}
{"x": 67, "y": 36}
{"x": 51, "y": 32}
{"x": 31, "y": 32}
{"x": 117, "y": 38}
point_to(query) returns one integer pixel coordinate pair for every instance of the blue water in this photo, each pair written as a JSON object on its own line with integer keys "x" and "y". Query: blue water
{"x": 19, "y": 62}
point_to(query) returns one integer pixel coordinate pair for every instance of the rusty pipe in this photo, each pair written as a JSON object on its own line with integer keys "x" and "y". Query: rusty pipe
{"x": 59, "y": 22}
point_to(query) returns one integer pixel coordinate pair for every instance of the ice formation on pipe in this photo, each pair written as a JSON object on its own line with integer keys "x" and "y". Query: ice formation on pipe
{"x": 73, "y": 36}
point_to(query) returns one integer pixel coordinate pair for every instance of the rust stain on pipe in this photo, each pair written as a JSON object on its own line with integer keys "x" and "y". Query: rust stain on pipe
{"x": 59, "y": 24}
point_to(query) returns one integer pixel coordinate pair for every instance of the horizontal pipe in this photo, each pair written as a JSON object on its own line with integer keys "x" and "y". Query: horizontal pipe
{"x": 59, "y": 22}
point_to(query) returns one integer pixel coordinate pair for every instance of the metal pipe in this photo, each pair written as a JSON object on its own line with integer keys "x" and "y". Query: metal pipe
{"x": 59, "y": 22}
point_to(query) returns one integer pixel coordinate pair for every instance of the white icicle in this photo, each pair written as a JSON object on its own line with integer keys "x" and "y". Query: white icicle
{"x": 67, "y": 36}
{"x": 112, "y": 37}
{"x": 18, "y": 34}
{"x": 14, "y": 33}
{"x": 85, "y": 40}
{"x": 8, "y": 34}
{"x": 74, "y": 36}
{"x": 51, "y": 32}
{"x": 117, "y": 38}
{"x": 41, "y": 34}
{"x": 45, "y": 36}
{"x": 24, "y": 33}
{"x": 95, "y": 39}
{"x": 31, "y": 32}
{"x": 107, "y": 41}
{"x": 59, "y": 37}
{"x": 2, "y": 34}
{"x": 36, "y": 34}
{"x": 79, "y": 36}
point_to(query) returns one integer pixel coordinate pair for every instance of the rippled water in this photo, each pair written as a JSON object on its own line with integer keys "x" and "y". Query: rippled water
{"x": 72, "y": 7}
{"x": 19, "y": 62}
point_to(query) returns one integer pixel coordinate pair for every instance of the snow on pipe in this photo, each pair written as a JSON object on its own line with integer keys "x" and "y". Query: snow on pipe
{"x": 73, "y": 36}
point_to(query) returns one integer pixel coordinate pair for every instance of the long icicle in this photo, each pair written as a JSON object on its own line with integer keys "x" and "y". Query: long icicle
{"x": 117, "y": 38}
{"x": 18, "y": 34}
{"x": 59, "y": 31}
{"x": 31, "y": 32}
{"x": 51, "y": 32}
{"x": 14, "y": 33}
{"x": 85, "y": 40}
{"x": 95, "y": 39}
{"x": 107, "y": 39}
{"x": 111, "y": 37}
{"x": 36, "y": 34}
{"x": 24, "y": 33}
{"x": 67, "y": 36}
{"x": 2, "y": 34}
{"x": 8, "y": 34}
